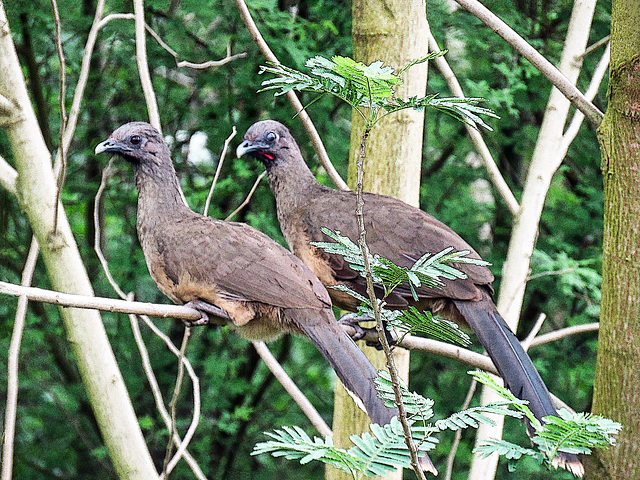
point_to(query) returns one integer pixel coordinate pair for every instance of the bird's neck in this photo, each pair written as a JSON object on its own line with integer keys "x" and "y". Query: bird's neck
{"x": 292, "y": 184}
{"x": 160, "y": 198}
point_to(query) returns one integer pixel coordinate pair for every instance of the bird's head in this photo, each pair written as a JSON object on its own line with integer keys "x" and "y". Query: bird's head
{"x": 268, "y": 141}
{"x": 138, "y": 143}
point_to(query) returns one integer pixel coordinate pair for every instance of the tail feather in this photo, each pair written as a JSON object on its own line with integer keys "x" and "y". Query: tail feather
{"x": 514, "y": 365}
{"x": 354, "y": 370}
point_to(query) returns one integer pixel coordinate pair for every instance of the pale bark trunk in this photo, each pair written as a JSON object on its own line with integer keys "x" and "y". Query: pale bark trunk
{"x": 396, "y": 33}
{"x": 35, "y": 188}
{"x": 543, "y": 166}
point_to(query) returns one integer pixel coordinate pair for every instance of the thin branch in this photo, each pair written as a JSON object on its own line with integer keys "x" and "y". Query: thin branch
{"x": 248, "y": 198}
{"x": 458, "y": 436}
{"x": 564, "y": 332}
{"x": 78, "y": 94}
{"x": 409, "y": 342}
{"x": 293, "y": 99}
{"x": 292, "y": 389}
{"x": 595, "y": 46}
{"x": 105, "y": 304}
{"x": 574, "y": 127}
{"x": 155, "y": 388}
{"x": 526, "y": 343}
{"x": 196, "y": 66}
{"x": 8, "y": 177}
{"x": 537, "y": 60}
{"x": 220, "y": 163}
{"x": 62, "y": 151}
{"x": 12, "y": 365}
{"x": 143, "y": 66}
{"x": 174, "y": 402}
{"x": 380, "y": 327}
{"x": 476, "y": 137}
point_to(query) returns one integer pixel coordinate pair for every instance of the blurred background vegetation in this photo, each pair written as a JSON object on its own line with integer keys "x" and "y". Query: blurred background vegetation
{"x": 56, "y": 434}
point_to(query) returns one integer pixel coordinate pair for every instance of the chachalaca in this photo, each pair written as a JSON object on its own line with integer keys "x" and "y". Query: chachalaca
{"x": 402, "y": 234}
{"x": 232, "y": 269}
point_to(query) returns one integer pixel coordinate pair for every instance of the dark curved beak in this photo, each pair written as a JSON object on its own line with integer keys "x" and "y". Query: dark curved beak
{"x": 248, "y": 147}
{"x": 110, "y": 146}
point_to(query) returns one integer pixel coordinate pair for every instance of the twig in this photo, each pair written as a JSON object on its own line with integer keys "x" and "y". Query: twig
{"x": 292, "y": 389}
{"x": 595, "y": 46}
{"x": 526, "y": 343}
{"x": 293, "y": 99}
{"x": 62, "y": 152}
{"x": 458, "y": 436}
{"x": 474, "y": 134}
{"x": 12, "y": 364}
{"x": 220, "y": 162}
{"x": 380, "y": 328}
{"x": 157, "y": 394}
{"x": 537, "y": 60}
{"x": 248, "y": 198}
{"x": 196, "y": 66}
{"x": 143, "y": 66}
{"x": 578, "y": 116}
{"x": 174, "y": 401}
{"x": 564, "y": 332}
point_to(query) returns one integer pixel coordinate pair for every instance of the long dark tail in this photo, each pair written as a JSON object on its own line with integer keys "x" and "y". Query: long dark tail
{"x": 514, "y": 365}
{"x": 354, "y": 370}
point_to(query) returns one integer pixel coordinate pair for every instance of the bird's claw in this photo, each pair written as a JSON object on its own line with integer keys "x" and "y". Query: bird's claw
{"x": 204, "y": 308}
{"x": 352, "y": 320}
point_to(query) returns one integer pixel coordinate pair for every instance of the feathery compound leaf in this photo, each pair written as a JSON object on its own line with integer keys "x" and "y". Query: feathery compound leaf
{"x": 520, "y": 405}
{"x": 575, "y": 432}
{"x": 294, "y": 444}
{"x": 507, "y": 449}
{"x": 474, "y": 416}
{"x": 412, "y": 320}
{"x": 417, "y": 406}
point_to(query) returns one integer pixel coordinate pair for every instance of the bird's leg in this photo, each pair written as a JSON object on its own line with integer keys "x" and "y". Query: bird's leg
{"x": 356, "y": 332}
{"x": 205, "y": 309}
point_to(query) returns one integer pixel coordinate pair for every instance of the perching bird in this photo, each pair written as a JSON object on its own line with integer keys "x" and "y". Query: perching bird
{"x": 402, "y": 234}
{"x": 232, "y": 268}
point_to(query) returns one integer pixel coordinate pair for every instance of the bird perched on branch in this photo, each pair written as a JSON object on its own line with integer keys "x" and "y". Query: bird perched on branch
{"x": 402, "y": 234}
{"x": 232, "y": 270}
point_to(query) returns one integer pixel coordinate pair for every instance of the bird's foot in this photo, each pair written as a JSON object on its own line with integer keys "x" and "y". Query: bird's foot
{"x": 204, "y": 308}
{"x": 352, "y": 321}
{"x": 356, "y": 332}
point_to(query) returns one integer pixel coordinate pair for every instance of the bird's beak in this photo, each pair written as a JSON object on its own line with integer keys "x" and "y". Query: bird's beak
{"x": 110, "y": 146}
{"x": 248, "y": 147}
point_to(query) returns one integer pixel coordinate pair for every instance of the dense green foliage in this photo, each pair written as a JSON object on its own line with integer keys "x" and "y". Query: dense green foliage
{"x": 56, "y": 434}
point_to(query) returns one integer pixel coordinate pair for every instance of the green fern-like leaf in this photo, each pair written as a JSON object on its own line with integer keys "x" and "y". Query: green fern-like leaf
{"x": 293, "y": 443}
{"x": 414, "y": 321}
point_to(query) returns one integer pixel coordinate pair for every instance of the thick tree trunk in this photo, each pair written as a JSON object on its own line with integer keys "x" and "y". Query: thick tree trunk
{"x": 35, "y": 189}
{"x": 617, "y": 381}
{"x": 396, "y": 33}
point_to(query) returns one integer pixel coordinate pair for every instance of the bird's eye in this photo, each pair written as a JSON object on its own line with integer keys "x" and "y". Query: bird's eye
{"x": 271, "y": 137}
{"x": 135, "y": 139}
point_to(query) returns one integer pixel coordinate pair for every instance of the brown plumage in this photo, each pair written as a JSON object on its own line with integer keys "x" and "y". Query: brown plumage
{"x": 262, "y": 287}
{"x": 402, "y": 234}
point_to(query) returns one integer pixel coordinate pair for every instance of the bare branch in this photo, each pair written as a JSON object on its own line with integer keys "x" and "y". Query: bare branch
{"x": 12, "y": 365}
{"x": 291, "y": 388}
{"x": 8, "y": 177}
{"x": 578, "y": 116}
{"x": 526, "y": 343}
{"x": 249, "y": 195}
{"x": 458, "y": 436}
{"x": 537, "y": 60}
{"x": 476, "y": 137}
{"x": 564, "y": 332}
{"x": 143, "y": 66}
{"x": 196, "y": 66}
{"x": 62, "y": 152}
{"x": 217, "y": 174}
{"x": 293, "y": 99}
{"x": 155, "y": 388}
{"x": 105, "y": 304}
